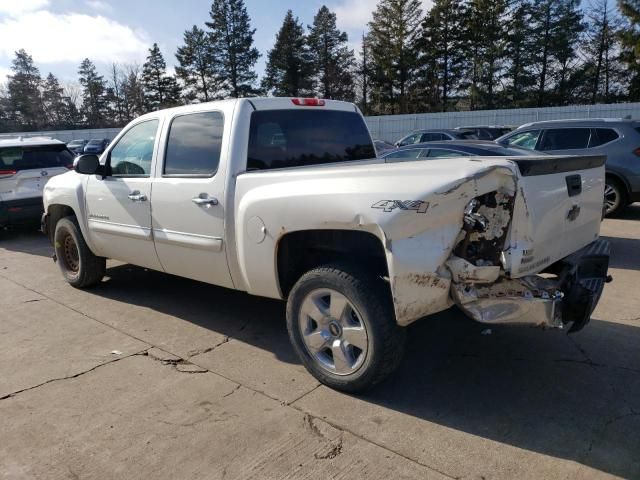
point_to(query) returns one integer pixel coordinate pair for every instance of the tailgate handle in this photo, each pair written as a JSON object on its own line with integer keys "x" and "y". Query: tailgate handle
{"x": 574, "y": 185}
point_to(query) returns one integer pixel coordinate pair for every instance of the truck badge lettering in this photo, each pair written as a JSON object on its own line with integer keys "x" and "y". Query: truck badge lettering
{"x": 417, "y": 206}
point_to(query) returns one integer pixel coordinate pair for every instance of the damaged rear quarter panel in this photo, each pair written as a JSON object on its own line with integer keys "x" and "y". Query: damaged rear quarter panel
{"x": 386, "y": 200}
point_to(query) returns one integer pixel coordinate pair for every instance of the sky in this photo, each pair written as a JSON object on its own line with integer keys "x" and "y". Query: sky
{"x": 59, "y": 34}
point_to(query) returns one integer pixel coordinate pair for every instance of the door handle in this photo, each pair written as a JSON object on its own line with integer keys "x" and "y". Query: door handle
{"x": 136, "y": 196}
{"x": 205, "y": 199}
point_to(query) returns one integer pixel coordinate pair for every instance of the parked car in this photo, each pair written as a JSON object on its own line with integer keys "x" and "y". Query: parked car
{"x": 358, "y": 248}
{"x": 455, "y": 148}
{"x": 618, "y": 139}
{"x": 26, "y": 164}
{"x": 382, "y": 147}
{"x": 487, "y": 132}
{"x": 77, "y": 146}
{"x": 436, "y": 135}
{"x": 96, "y": 146}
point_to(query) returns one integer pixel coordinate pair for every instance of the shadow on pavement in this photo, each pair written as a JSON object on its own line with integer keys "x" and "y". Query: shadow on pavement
{"x": 27, "y": 239}
{"x": 632, "y": 212}
{"x": 543, "y": 391}
{"x": 625, "y": 252}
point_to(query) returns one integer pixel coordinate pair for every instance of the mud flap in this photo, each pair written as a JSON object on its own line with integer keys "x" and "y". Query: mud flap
{"x": 584, "y": 277}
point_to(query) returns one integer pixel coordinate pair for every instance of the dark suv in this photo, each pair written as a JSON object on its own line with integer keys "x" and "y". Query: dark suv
{"x": 618, "y": 139}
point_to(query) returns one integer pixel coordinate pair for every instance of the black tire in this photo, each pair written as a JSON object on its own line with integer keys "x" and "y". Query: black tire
{"x": 616, "y": 195}
{"x": 79, "y": 266}
{"x": 371, "y": 301}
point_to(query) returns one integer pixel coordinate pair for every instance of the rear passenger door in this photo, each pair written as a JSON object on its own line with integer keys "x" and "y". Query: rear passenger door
{"x": 188, "y": 198}
{"x": 565, "y": 140}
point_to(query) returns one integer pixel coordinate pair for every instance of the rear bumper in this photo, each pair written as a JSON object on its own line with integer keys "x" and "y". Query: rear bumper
{"x": 24, "y": 210}
{"x": 568, "y": 299}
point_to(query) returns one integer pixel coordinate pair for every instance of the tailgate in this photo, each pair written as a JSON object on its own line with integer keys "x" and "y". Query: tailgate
{"x": 558, "y": 210}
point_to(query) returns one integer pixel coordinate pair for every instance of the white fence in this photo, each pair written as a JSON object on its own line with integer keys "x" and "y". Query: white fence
{"x": 393, "y": 127}
{"x": 68, "y": 135}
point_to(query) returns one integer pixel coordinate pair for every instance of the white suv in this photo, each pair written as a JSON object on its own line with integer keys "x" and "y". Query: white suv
{"x": 26, "y": 164}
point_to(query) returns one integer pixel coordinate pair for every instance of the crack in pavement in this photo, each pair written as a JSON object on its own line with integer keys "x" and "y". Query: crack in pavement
{"x": 283, "y": 403}
{"x": 195, "y": 353}
{"x": 69, "y": 377}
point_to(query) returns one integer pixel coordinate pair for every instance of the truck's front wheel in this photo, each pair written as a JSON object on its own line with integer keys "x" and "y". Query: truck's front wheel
{"x": 341, "y": 324}
{"x": 79, "y": 266}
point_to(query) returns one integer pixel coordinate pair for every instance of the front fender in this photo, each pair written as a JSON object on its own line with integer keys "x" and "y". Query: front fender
{"x": 69, "y": 190}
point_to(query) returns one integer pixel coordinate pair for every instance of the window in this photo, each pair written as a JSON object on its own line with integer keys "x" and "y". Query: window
{"x": 408, "y": 154}
{"x": 131, "y": 156}
{"x": 433, "y": 137}
{"x": 294, "y": 138}
{"x": 441, "y": 152}
{"x": 409, "y": 140}
{"x": 36, "y": 157}
{"x": 524, "y": 139}
{"x": 194, "y": 144}
{"x": 565, "y": 139}
{"x": 600, "y": 136}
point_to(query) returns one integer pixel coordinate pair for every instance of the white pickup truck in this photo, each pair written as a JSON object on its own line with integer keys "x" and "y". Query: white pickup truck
{"x": 284, "y": 198}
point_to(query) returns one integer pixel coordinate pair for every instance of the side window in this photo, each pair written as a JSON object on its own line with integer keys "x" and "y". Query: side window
{"x": 429, "y": 137}
{"x": 600, "y": 136}
{"x": 194, "y": 144}
{"x": 526, "y": 140}
{"x": 441, "y": 152}
{"x": 408, "y": 154}
{"x": 565, "y": 139}
{"x": 131, "y": 156}
{"x": 409, "y": 140}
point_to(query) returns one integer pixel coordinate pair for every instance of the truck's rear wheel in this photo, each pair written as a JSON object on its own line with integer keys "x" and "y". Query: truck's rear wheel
{"x": 79, "y": 266}
{"x": 341, "y": 324}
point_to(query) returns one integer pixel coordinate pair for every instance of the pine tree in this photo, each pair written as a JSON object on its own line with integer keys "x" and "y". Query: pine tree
{"x": 565, "y": 51}
{"x": 160, "y": 90}
{"x": 289, "y": 71}
{"x": 519, "y": 52}
{"x": 95, "y": 103}
{"x": 442, "y": 44}
{"x": 601, "y": 66}
{"x": 24, "y": 102}
{"x": 486, "y": 36}
{"x": 231, "y": 38}
{"x": 363, "y": 76}
{"x": 334, "y": 61}
{"x": 133, "y": 101}
{"x": 197, "y": 66}
{"x": 394, "y": 36}
{"x": 630, "y": 39}
{"x": 55, "y": 106}
{"x": 556, "y": 31}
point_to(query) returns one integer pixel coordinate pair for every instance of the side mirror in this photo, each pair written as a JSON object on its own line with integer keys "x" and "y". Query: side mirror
{"x": 87, "y": 164}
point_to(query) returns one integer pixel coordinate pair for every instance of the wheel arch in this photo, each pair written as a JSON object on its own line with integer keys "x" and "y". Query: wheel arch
{"x": 300, "y": 251}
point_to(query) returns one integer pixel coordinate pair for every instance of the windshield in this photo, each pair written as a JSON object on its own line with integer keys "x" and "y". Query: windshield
{"x": 26, "y": 158}
{"x": 294, "y": 138}
{"x": 95, "y": 142}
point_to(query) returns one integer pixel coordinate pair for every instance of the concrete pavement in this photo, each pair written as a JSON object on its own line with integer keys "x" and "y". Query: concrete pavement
{"x": 154, "y": 376}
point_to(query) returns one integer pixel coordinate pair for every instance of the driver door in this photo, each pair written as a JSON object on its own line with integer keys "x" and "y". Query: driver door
{"x": 118, "y": 206}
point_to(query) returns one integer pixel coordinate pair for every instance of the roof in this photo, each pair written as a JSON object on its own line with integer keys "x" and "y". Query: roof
{"x": 28, "y": 142}
{"x": 258, "y": 103}
{"x": 577, "y": 121}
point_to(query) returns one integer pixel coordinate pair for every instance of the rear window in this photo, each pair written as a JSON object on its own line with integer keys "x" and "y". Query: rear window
{"x": 565, "y": 139}
{"x": 27, "y": 158}
{"x": 600, "y": 136}
{"x": 294, "y": 138}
